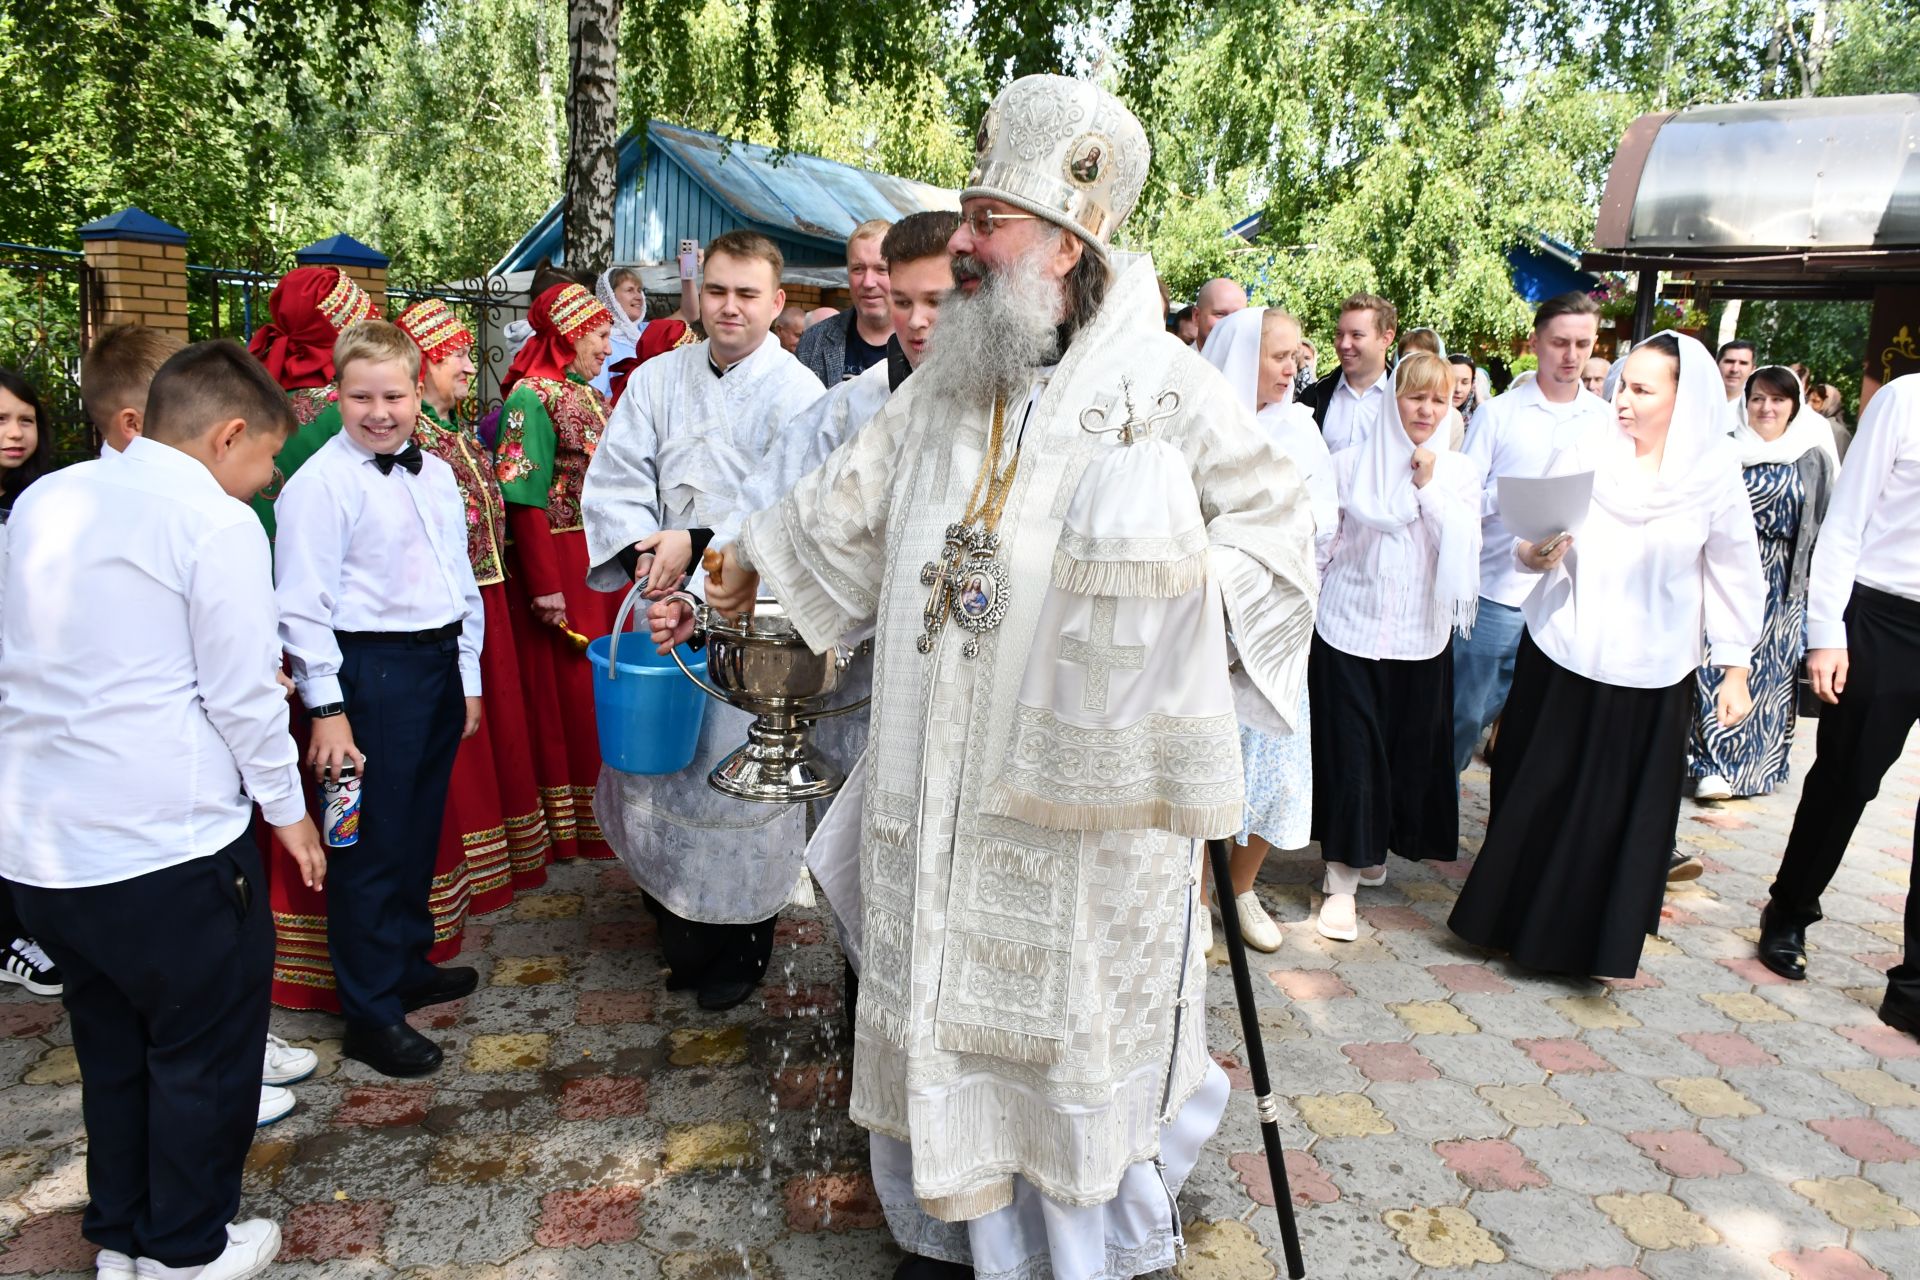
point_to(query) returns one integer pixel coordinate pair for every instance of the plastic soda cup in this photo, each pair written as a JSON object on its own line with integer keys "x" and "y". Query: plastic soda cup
{"x": 342, "y": 807}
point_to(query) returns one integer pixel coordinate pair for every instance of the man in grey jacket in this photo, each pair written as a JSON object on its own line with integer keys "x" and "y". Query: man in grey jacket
{"x": 855, "y": 340}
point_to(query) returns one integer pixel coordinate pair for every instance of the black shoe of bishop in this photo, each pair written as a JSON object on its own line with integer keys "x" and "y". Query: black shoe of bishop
{"x": 916, "y": 1267}
{"x": 397, "y": 1051}
{"x": 1782, "y": 949}
{"x": 447, "y": 984}
{"x": 716, "y": 994}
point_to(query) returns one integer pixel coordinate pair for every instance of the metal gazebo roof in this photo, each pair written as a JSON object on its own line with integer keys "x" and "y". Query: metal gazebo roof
{"x": 1807, "y": 197}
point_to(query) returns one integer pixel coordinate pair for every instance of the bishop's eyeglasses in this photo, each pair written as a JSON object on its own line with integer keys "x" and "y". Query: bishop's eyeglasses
{"x": 981, "y": 221}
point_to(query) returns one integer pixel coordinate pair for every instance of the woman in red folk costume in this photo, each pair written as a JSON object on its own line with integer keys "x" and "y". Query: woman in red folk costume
{"x": 307, "y": 311}
{"x": 549, "y": 428}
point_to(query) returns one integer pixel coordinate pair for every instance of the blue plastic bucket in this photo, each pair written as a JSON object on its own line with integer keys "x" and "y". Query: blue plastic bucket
{"x": 647, "y": 711}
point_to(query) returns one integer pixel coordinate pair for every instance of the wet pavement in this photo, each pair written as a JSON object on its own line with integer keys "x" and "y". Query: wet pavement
{"x": 1445, "y": 1114}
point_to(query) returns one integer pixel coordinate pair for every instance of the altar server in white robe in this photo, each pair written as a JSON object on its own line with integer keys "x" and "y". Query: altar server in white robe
{"x": 1030, "y": 1044}
{"x": 693, "y": 426}
{"x": 920, "y": 276}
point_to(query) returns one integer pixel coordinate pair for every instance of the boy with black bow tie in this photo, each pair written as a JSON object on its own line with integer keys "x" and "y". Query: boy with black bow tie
{"x": 382, "y": 622}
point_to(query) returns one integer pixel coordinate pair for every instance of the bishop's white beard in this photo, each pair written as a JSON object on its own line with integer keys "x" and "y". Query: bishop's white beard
{"x": 990, "y": 344}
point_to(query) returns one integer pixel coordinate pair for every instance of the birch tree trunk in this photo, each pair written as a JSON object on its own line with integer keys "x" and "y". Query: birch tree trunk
{"x": 593, "y": 101}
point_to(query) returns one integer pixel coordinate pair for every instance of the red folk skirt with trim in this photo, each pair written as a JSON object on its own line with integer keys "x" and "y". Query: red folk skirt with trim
{"x": 558, "y": 680}
{"x": 493, "y": 834}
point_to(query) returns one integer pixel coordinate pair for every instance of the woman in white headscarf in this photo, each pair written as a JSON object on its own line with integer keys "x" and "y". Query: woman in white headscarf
{"x": 1586, "y": 784}
{"x": 1256, "y": 350}
{"x": 1788, "y": 463}
{"x": 1401, "y": 572}
{"x": 620, "y": 292}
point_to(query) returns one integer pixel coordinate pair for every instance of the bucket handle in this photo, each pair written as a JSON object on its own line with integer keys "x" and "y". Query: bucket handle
{"x": 694, "y": 604}
{"x": 620, "y": 625}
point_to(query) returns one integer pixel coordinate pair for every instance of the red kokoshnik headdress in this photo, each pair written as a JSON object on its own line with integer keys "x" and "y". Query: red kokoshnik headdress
{"x": 559, "y": 315}
{"x": 434, "y": 329}
{"x": 307, "y": 311}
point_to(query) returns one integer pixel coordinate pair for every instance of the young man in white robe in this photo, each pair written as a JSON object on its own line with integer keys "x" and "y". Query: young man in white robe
{"x": 1030, "y": 1052}
{"x": 694, "y": 425}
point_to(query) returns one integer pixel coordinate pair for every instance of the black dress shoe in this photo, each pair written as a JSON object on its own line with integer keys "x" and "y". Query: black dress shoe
{"x": 716, "y": 994}
{"x": 1783, "y": 949}
{"x": 397, "y": 1050}
{"x": 1900, "y": 1017}
{"x": 447, "y": 984}
{"x": 916, "y": 1267}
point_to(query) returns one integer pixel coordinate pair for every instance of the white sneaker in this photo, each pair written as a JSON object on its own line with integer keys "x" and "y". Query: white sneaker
{"x": 1712, "y": 787}
{"x": 251, "y": 1248}
{"x": 1339, "y": 918}
{"x": 24, "y": 963}
{"x": 111, "y": 1264}
{"x": 1257, "y": 928}
{"x": 275, "y": 1104}
{"x": 286, "y": 1064}
{"x": 1374, "y": 877}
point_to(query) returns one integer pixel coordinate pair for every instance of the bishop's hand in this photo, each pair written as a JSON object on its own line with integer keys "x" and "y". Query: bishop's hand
{"x": 731, "y": 587}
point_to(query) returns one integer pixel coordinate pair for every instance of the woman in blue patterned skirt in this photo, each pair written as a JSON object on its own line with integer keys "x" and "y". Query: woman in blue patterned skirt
{"x": 1788, "y": 462}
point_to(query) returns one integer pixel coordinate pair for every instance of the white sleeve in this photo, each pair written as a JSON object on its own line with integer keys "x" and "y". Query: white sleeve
{"x": 1735, "y": 585}
{"x": 314, "y": 528}
{"x": 620, "y": 497}
{"x": 1480, "y": 447}
{"x": 1836, "y": 556}
{"x": 236, "y": 652}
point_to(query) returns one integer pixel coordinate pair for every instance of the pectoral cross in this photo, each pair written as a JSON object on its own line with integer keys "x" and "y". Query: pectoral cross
{"x": 938, "y": 576}
{"x": 1100, "y": 655}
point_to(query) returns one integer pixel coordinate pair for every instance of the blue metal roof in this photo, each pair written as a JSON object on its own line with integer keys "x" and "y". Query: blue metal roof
{"x": 804, "y": 202}
{"x": 133, "y": 223}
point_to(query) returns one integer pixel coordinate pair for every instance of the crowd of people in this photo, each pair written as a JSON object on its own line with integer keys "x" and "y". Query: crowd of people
{"x": 1121, "y": 580}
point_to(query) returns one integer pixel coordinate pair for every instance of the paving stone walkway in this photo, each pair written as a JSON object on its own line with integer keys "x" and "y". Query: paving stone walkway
{"x": 1449, "y": 1115}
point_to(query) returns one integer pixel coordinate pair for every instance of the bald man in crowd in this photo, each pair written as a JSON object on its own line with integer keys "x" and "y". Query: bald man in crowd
{"x": 1218, "y": 299}
{"x": 791, "y": 323}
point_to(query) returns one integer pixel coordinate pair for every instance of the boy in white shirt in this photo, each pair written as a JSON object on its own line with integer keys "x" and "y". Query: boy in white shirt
{"x": 124, "y": 802}
{"x": 381, "y": 620}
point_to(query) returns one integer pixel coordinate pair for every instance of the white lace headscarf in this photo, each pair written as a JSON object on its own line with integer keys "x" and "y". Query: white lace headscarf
{"x": 623, "y": 328}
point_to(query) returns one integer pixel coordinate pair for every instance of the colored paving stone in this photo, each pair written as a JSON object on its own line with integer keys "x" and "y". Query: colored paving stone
{"x": 1744, "y": 1006}
{"x": 1856, "y": 1203}
{"x": 1876, "y": 1088}
{"x": 516, "y": 1052}
{"x": 1682, "y": 1153}
{"x": 1434, "y": 1018}
{"x": 1310, "y": 984}
{"x": 1394, "y": 1062}
{"x": 1342, "y": 1115}
{"x": 602, "y": 1097}
{"x": 1595, "y": 1013}
{"x": 327, "y": 1230}
{"x": 1530, "y": 1105}
{"x": 47, "y": 1242}
{"x": 1490, "y": 1164}
{"x": 1827, "y": 1264}
{"x": 600, "y": 1008}
{"x": 1709, "y": 1098}
{"x": 1562, "y": 1056}
{"x": 582, "y": 1219}
{"x": 1655, "y": 1221}
{"x": 1309, "y": 1183}
{"x": 385, "y": 1105}
{"x": 726, "y": 1048}
{"x": 56, "y": 1066}
{"x": 833, "y": 1202}
{"x": 1866, "y": 1139}
{"x": 718, "y": 1144}
{"x": 548, "y": 906}
{"x": 1443, "y": 1237}
{"x": 1224, "y": 1251}
{"x": 1728, "y": 1049}
{"x": 1470, "y": 978}
{"x": 528, "y": 971}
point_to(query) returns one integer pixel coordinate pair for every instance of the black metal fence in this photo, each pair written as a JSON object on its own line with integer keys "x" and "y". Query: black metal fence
{"x": 48, "y": 298}
{"x": 486, "y": 305}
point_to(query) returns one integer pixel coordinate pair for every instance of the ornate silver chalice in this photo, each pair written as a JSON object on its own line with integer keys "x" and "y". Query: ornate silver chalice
{"x": 759, "y": 663}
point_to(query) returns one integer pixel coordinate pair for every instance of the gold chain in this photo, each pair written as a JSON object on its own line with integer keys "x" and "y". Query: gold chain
{"x": 998, "y": 483}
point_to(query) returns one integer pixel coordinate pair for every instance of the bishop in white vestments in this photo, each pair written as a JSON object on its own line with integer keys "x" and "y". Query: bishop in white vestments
{"x": 694, "y": 426}
{"x": 1030, "y": 1050}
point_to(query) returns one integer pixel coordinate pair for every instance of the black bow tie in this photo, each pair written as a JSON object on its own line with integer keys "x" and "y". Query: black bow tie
{"x": 408, "y": 457}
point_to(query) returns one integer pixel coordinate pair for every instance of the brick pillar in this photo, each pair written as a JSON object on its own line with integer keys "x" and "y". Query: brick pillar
{"x": 366, "y": 267}
{"x": 140, "y": 270}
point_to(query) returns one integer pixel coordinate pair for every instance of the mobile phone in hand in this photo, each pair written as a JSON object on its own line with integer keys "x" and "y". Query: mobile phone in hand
{"x": 689, "y": 259}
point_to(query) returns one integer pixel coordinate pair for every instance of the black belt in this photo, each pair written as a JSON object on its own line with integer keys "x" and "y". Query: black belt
{"x": 431, "y": 636}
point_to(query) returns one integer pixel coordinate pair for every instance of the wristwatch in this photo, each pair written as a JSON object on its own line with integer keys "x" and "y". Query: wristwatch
{"x": 330, "y": 709}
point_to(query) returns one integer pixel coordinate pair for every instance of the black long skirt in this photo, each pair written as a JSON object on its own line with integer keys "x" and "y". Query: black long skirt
{"x": 1584, "y": 806}
{"x": 1383, "y": 776}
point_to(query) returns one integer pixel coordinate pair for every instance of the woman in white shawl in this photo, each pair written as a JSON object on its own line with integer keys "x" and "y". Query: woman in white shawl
{"x": 1255, "y": 349}
{"x": 1586, "y": 784}
{"x": 1401, "y": 572}
{"x": 620, "y": 292}
{"x": 1788, "y": 462}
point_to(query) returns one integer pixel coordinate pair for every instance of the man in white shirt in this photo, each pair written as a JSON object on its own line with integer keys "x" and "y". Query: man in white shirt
{"x": 126, "y": 793}
{"x": 1346, "y": 403}
{"x": 1863, "y": 638}
{"x": 1218, "y": 298}
{"x": 1517, "y": 434}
